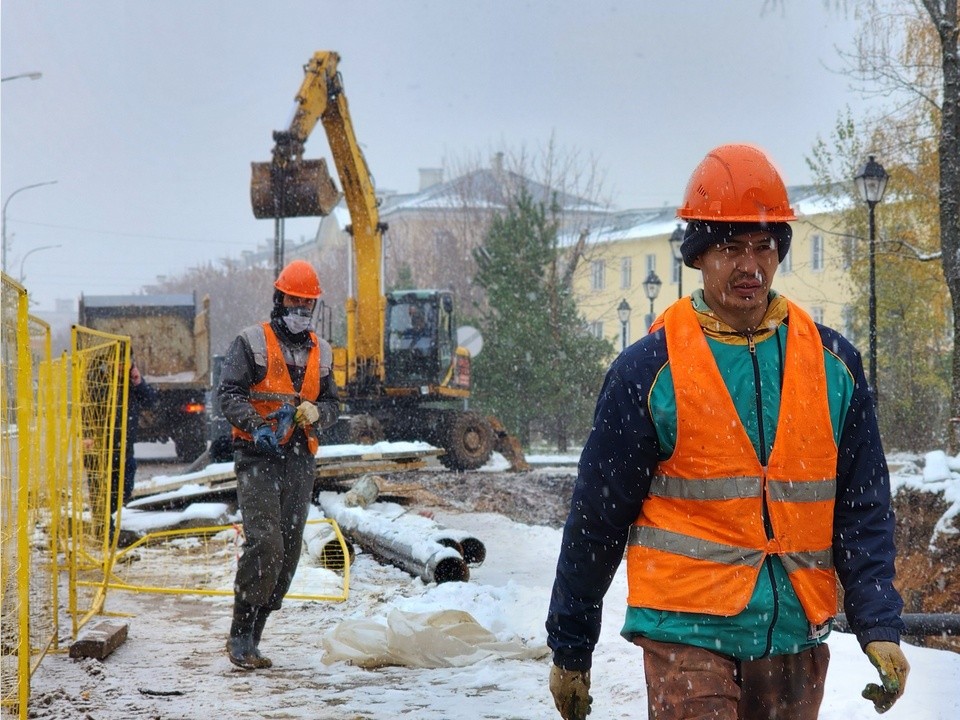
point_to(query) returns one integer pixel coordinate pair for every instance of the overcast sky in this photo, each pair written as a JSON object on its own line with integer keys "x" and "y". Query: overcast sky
{"x": 148, "y": 114}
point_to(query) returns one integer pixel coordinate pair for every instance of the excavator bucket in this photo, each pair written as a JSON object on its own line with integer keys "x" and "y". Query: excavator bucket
{"x": 305, "y": 189}
{"x": 508, "y": 446}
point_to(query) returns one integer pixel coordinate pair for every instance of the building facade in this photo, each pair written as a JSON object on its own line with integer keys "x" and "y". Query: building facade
{"x": 636, "y": 246}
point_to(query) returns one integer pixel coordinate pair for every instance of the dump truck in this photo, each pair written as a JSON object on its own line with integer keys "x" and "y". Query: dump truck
{"x": 170, "y": 340}
{"x": 401, "y": 373}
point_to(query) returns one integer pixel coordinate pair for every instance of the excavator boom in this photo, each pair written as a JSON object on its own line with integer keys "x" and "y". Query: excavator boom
{"x": 290, "y": 186}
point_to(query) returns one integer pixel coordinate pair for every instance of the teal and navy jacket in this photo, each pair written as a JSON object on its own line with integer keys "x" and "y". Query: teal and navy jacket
{"x": 635, "y": 428}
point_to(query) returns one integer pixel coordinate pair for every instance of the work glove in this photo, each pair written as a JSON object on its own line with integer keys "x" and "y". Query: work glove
{"x": 307, "y": 414}
{"x": 888, "y": 658}
{"x": 283, "y": 416}
{"x": 265, "y": 441}
{"x": 571, "y": 692}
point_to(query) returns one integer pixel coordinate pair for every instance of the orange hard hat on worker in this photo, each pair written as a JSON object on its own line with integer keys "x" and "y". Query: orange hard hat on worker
{"x": 299, "y": 279}
{"x": 735, "y": 187}
{"x": 736, "y": 183}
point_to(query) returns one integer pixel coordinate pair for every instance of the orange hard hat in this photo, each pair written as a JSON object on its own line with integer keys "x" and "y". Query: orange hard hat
{"x": 299, "y": 279}
{"x": 736, "y": 183}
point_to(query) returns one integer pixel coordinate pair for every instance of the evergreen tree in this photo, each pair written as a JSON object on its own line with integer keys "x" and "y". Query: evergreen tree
{"x": 540, "y": 370}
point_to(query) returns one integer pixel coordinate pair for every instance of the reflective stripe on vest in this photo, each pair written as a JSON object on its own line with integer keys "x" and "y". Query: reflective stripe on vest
{"x": 276, "y": 388}
{"x": 700, "y": 541}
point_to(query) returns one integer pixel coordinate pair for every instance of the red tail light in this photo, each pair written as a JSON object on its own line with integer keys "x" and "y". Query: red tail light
{"x": 194, "y": 408}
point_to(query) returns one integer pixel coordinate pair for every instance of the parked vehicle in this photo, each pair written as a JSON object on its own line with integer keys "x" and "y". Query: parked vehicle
{"x": 170, "y": 339}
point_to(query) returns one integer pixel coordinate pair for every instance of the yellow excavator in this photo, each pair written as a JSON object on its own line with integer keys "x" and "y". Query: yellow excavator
{"x": 402, "y": 375}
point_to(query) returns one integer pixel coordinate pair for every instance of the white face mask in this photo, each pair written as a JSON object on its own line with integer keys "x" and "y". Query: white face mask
{"x": 297, "y": 323}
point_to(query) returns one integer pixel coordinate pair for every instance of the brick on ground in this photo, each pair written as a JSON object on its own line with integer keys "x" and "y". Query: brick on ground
{"x": 99, "y": 640}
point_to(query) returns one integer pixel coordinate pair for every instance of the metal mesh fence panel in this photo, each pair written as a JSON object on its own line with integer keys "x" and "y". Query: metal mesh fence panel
{"x": 98, "y": 438}
{"x": 203, "y": 561}
{"x": 14, "y": 488}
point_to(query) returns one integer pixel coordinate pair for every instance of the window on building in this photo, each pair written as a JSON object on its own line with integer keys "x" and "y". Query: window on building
{"x": 816, "y": 312}
{"x": 598, "y": 270}
{"x": 626, "y": 273}
{"x": 786, "y": 266}
{"x": 651, "y": 263}
{"x": 596, "y": 329}
{"x": 675, "y": 272}
{"x": 816, "y": 252}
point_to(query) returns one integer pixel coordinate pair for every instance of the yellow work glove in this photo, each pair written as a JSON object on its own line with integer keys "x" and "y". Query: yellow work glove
{"x": 888, "y": 658}
{"x": 307, "y": 414}
{"x": 571, "y": 692}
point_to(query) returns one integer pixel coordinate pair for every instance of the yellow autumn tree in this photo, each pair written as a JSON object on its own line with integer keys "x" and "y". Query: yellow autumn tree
{"x": 898, "y": 55}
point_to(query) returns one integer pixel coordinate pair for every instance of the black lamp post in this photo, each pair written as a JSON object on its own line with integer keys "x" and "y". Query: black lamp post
{"x": 676, "y": 240}
{"x": 623, "y": 312}
{"x": 871, "y": 181}
{"x": 651, "y": 288}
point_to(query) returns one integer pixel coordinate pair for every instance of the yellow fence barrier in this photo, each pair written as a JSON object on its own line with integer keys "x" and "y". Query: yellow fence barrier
{"x": 31, "y": 470}
{"x": 203, "y": 561}
{"x": 63, "y": 436}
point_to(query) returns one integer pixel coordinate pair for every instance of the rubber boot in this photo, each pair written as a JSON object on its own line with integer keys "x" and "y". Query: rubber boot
{"x": 262, "y": 615}
{"x": 240, "y": 646}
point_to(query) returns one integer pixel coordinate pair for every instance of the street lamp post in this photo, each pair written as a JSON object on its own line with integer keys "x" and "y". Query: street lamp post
{"x": 3, "y": 215}
{"x": 871, "y": 181}
{"x": 31, "y": 75}
{"x": 31, "y": 252}
{"x": 623, "y": 312}
{"x": 676, "y": 240}
{"x": 651, "y": 288}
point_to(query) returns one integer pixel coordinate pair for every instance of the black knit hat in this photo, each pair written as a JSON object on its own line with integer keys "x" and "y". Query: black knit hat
{"x": 701, "y": 234}
{"x": 278, "y": 310}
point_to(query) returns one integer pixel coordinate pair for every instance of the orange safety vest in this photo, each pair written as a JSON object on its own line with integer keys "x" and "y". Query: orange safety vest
{"x": 276, "y": 388}
{"x": 699, "y": 542}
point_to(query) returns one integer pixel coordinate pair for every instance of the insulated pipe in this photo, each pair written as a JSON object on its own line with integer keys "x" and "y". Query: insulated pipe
{"x": 473, "y": 550}
{"x": 443, "y": 564}
{"x": 394, "y": 543}
{"x": 918, "y": 624}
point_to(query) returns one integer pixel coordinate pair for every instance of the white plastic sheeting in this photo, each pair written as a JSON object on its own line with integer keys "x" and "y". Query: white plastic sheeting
{"x": 445, "y": 638}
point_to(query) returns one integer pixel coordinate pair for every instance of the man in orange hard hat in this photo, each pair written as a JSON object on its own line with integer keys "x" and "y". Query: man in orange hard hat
{"x": 278, "y": 393}
{"x": 735, "y": 455}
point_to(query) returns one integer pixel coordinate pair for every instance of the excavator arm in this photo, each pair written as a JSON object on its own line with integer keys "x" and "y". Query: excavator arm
{"x": 290, "y": 186}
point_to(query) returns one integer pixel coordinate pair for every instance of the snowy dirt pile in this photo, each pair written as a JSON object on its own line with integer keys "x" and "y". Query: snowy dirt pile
{"x": 928, "y": 542}
{"x": 536, "y": 497}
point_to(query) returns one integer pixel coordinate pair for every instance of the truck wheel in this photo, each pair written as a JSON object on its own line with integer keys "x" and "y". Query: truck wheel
{"x": 190, "y": 447}
{"x": 365, "y": 430}
{"x": 469, "y": 441}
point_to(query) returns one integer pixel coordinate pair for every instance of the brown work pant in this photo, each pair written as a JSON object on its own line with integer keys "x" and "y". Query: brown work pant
{"x": 691, "y": 683}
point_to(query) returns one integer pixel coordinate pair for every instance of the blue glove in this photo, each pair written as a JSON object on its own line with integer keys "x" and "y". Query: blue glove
{"x": 284, "y": 416}
{"x": 265, "y": 441}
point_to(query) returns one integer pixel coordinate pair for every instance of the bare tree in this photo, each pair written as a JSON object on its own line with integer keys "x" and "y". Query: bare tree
{"x": 431, "y": 239}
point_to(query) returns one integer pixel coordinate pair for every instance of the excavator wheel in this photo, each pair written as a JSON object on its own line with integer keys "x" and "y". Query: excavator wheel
{"x": 469, "y": 442}
{"x": 364, "y": 430}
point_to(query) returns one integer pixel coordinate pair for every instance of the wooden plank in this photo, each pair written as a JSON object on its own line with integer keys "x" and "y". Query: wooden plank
{"x": 225, "y": 492}
{"x": 100, "y": 640}
{"x": 175, "y": 482}
{"x": 222, "y": 485}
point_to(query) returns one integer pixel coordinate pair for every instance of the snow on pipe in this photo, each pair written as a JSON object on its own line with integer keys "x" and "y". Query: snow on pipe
{"x": 396, "y": 543}
{"x": 473, "y": 550}
{"x": 367, "y": 489}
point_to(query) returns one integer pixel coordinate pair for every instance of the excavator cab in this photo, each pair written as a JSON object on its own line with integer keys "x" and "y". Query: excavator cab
{"x": 420, "y": 339}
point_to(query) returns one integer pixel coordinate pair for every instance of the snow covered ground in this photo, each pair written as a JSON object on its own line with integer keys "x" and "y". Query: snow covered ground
{"x": 173, "y": 666}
